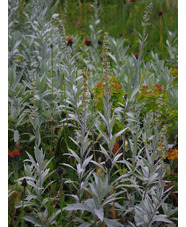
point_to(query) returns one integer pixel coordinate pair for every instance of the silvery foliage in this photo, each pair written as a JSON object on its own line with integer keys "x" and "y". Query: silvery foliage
{"x": 14, "y": 35}
{"x": 161, "y": 71}
{"x": 118, "y": 54}
{"x": 109, "y": 121}
{"x": 92, "y": 58}
{"x": 30, "y": 56}
{"x": 147, "y": 175}
{"x": 172, "y": 47}
{"x": 95, "y": 21}
{"x": 37, "y": 174}
{"x": 33, "y": 46}
{"x": 17, "y": 101}
{"x": 143, "y": 168}
{"x": 74, "y": 89}
{"x": 173, "y": 96}
{"x": 30, "y": 60}
{"x": 73, "y": 86}
{"x": 128, "y": 69}
{"x": 83, "y": 158}
{"x": 99, "y": 190}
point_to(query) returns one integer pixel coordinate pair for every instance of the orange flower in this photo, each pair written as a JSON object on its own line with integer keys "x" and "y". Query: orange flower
{"x": 161, "y": 12}
{"x": 137, "y": 55}
{"x": 157, "y": 86}
{"x": 13, "y": 156}
{"x": 10, "y": 154}
{"x": 70, "y": 42}
{"x": 99, "y": 85}
{"x": 16, "y": 153}
{"x": 69, "y": 39}
{"x": 87, "y": 42}
{"x": 172, "y": 154}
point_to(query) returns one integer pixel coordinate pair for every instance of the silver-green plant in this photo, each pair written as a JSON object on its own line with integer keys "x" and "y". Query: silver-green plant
{"x": 47, "y": 77}
{"x": 172, "y": 47}
{"x": 119, "y": 54}
{"x": 37, "y": 174}
{"x": 99, "y": 190}
{"x": 92, "y": 58}
{"x": 76, "y": 96}
{"x": 161, "y": 71}
{"x": 17, "y": 102}
{"x": 95, "y": 21}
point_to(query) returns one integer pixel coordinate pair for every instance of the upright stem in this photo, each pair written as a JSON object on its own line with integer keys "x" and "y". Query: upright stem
{"x": 107, "y": 206}
{"x": 161, "y": 35}
{"x": 125, "y": 110}
{"x": 52, "y": 103}
{"x": 22, "y": 210}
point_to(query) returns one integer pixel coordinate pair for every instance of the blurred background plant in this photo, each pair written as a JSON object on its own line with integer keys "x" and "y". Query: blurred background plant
{"x": 124, "y": 20}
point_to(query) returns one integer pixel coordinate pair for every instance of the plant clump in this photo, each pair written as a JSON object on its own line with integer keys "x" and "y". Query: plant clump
{"x": 116, "y": 91}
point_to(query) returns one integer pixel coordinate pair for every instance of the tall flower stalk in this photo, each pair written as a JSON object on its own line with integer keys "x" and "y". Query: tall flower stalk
{"x": 106, "y": 65}
{"x": 52, "y": 101}
{"x": 85, "y": 100}
{"x": 109, "y": 119}
{"x": 142, "y": 41}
